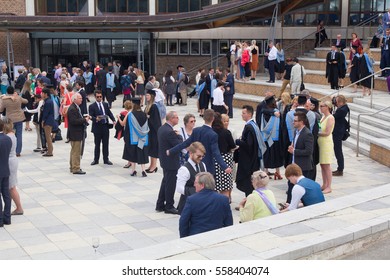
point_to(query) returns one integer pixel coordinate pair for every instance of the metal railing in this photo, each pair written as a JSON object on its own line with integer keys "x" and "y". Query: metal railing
{"x": 358, "y": 127}
{"x": 337, "y": 92}
{"x": 339, "y": 29}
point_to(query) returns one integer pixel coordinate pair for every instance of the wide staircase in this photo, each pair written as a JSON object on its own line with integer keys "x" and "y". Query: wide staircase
{"x": 374, "y": 136}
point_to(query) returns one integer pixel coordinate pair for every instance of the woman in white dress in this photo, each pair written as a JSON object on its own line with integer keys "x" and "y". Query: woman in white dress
{"x": 13, "y": 167}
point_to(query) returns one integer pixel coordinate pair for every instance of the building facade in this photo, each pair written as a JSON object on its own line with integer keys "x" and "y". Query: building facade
{"x": 156, "y": 51}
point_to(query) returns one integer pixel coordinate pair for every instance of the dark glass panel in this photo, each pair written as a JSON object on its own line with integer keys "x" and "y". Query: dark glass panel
{"x": 46, "y": 47}
{"x": 104, "y": 46}
{"x": 72, "y": 6}
{"x": 122, "y": 6}
{"x": 111, "y": 6}
{"x": 162, "y": 6}
{"x": 143, "y": 6}
{"x": 172, "y": 6}
{"x": 84, "y": 47}
{"x": 61, "y": 6}
{"x": 132, "y": 6}
{"x": 194, "y": 5}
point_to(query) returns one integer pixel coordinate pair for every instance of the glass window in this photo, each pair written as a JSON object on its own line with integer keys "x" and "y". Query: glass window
{"x": 195, "y": 47}
{"x": 69, "y": 46}
{"x": 143, "y": 6}
{"x": 46, "y": 47}
{"x": 184, "y": 47}
{"x": 122, "y": 8}
{"x": 84, "y": 47}
{"x": 195, "y": 5}
{"x": 72, "y": 6}
{"x": 59, "y": 7}
{"x": 206, "y": 47}
{"x": 175, "y": 6}
{"x": 223, "y": 46}
{"x": 172, "y": 6}
{"x": 172, "y": 47}
{"x": 104, "y": 46}
{"x": 161, "y": 47}
{"x": 111, "y": 6}
{"x": 162, "y": 6}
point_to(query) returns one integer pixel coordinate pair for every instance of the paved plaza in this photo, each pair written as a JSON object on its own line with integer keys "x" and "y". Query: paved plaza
{"x": 64, "y": 212}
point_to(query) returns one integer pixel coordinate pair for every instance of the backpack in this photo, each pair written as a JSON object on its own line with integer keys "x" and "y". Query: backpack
{"x": 186, "y": 79}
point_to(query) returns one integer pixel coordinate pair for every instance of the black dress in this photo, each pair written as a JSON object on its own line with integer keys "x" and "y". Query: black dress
{"x": 203, "y": 96}
{"x": 354, "y": 74}
{"x": 154, "y": 122}
{"x": 223, "y": 180}
{"x": 342, "y": 66}
{"x": 273, "y": 156}
{"x": 131, "y": 152}
{"x": 364, "y": 72}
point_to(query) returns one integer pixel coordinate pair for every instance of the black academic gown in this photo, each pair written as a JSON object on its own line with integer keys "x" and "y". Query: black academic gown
{"x": 154, "y": 122}
{"x": 332, "y": 69}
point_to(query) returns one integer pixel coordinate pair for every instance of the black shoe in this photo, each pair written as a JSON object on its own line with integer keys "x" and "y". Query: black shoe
{"x": 94, "y": 162}
{"x": 44, "y": 150}
{"x": 133, "y": 174}
{"x": 337, "y": 173}
{"x": 159, "y": 209}
{"x": 171, "y": 211}
{"x": 67, "y": 141}
{"x": 252, "y": 79}
{"x": 151, "y": 171}
{"x": 270, "y": 82}
{"x": 80, "y": 172}
{"x": 47, "y": 155}
{"x": 7, "y": 223}
{"x": 108, "y": 162}
{"x": 37, "y": 150}
{"x": 144, "y": 174}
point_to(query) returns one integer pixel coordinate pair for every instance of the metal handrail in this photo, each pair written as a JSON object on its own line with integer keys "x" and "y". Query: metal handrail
{"x": 358, "y": 127}
{"x": 207, "y": 61}
{"x": 372, "y": 85}
{"x": 360, "y": 24}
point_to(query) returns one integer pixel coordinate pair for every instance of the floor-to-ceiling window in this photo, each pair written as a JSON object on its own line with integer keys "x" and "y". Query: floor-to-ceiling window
{"x": 61, "y": 7}
{"x": 180, "y": 6}
{"x": 361, "y": 10}
{"x": 122, "y": 6}
{"x": 329, "y": 11}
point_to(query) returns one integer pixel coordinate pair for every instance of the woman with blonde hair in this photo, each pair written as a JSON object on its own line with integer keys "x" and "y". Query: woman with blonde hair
{"x": 13, "y": 167}
{"x": 261, "y": 202}
{"x": 325, "y": 144}
{"x": 140, "y": 85}
{"x": 280, "y": 60}
{"x": 254, "y": 59}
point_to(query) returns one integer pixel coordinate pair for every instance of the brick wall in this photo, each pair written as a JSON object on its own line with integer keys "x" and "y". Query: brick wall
{"x": 20, "y": 42}
{"x": 380, "y": 154}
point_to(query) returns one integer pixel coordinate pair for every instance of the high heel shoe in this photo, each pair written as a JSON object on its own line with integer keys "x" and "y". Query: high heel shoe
{"x": 151, "y": 171}
{"x": 134, "y": 173}
{"x": 277, "y": 176}
{"x": 144, "y": 174}
{"x": 270, "y": 174}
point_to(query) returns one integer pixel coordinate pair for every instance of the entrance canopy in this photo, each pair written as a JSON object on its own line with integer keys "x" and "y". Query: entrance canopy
{"x": 235, "y": 12}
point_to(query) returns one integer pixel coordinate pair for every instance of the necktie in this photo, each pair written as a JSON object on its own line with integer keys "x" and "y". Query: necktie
{"x": 197, "y": 168}
{"x": 103, "y": 121}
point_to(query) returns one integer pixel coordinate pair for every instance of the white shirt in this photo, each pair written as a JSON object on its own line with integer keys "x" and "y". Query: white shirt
{"x": 183, "y": 175}
{"x": 273, "y": 53}
{"x": 233, "y": 49}
{"x": 296, "y": 75}
{"x": 218, "y": 97}
{"x": 297, "y": 193}
{"x": 159, "y": 95}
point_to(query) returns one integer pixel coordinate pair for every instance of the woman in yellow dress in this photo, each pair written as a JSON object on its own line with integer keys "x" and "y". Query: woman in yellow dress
{"x": 325, "y": 143}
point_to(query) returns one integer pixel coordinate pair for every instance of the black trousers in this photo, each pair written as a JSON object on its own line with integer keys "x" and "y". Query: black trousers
{"x": 165, "y": 199}
{"x": 271, "y": 69}
{"x": 101, "y": 138}
{"x": 228, "y": 98}
{"x": 338, "y": 151}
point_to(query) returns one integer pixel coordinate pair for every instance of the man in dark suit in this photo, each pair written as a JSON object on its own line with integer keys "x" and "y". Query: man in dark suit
{"x": 339, "y": 43}
{"x": 332, "y": 67}
{"x": 48, "y": 122}
{"x": 206, "y": 210}
{"x": 168, "y": 138}
{"x": 5, "y": 149}
{"x": 209, "y": 78}
{"x": 99, "y": 112}
{"x": 80, "y": 89}
{"x": 340, "y": 126}
{"x": 76, "y": 128}
{"x": 301, "y": 149}
{"x": 229, "y": 93}
{"x": 385, "y": 53}
{"x": 209, "y": 138}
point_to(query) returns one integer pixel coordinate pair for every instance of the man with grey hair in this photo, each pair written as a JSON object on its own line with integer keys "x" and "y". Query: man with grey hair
{"x": 76, "y": 133}
{"x": 168, "y": 138}
{"x": 206, "y": 210}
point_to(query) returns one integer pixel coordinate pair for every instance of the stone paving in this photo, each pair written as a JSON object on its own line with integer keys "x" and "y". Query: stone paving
{"x": 63, "y": 212}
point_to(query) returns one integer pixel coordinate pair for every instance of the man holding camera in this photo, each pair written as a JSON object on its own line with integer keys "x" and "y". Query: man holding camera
{"x": 340, "y": 127}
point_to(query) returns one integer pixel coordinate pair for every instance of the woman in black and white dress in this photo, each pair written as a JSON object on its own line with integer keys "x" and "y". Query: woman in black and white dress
{"x": 223, "y": 180}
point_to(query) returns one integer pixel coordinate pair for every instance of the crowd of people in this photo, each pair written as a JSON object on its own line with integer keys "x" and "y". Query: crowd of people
{"x": 202, "y": 162}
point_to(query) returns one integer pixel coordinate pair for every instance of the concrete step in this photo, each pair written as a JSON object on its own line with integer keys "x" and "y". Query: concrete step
{"x": 364, "y": 148}
{"x": 374, "y": 121}
{"x": 314, "y": 63}
{"x": 322, "y": 52}
{"x": 367, "y": 126}
{"x": 381, "y": 101}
